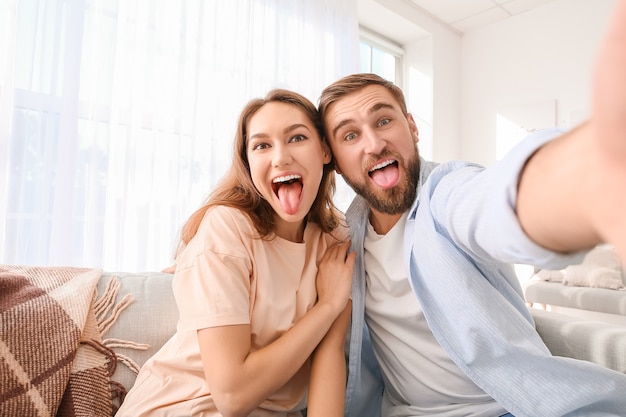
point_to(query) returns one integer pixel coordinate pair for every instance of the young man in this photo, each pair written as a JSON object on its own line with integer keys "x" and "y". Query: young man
{"x": 438, "y": 313}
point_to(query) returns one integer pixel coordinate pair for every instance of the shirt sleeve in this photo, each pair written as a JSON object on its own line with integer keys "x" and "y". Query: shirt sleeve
{"x": 212, "y": 280}
{"x": 476, "y": 206}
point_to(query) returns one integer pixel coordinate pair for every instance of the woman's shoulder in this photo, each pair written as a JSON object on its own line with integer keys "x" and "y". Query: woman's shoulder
{"x": 222, "y": 229}
{"x": 225, "y": 218}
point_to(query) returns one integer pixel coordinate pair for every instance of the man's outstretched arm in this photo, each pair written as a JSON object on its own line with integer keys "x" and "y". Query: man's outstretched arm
{"x": 572, "y": 193}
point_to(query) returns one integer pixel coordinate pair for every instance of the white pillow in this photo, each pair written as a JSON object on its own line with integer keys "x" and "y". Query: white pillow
{"x": 598, "y": 277}
{"x": 601, "y": 268}
{"x": 550, "y": 275}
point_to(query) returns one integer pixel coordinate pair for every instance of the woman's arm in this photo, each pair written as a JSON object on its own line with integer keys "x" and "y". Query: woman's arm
{"x": 327, "y": 392}
{"x": 239, "y": 379}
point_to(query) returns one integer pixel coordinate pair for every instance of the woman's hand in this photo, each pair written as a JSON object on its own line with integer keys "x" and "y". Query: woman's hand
{"x": 334, "y": 276}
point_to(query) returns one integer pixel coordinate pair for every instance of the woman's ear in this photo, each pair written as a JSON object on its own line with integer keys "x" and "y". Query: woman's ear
{"x": 328, "y": 156}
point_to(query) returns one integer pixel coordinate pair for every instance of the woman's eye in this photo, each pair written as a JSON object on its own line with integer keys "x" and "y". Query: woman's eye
{"x": 259, "y": 146}
{"x": 298, "y": 138}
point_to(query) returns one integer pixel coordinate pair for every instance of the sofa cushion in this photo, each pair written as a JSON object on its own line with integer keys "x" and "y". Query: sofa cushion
{"x": 145, "y": 322}
{"x": 573, "y": 337}
{"x": 584, "y": 298}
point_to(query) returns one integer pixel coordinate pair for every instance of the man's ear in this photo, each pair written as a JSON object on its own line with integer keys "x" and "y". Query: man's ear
{"x": 413, "y": 127}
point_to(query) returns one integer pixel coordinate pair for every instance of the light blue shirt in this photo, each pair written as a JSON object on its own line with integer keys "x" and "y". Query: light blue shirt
{"x": 461, "y": 235}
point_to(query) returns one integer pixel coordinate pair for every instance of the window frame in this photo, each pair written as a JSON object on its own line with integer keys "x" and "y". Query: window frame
{"x": 377, "y": 41}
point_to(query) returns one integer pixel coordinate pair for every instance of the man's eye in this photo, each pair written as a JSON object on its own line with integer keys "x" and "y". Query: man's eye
{"x": 350, "y": 136}
{"x": 384, "y": 122}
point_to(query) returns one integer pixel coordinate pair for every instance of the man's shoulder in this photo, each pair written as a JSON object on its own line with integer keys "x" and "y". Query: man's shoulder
{"x": 450, "y": 166}
{"x": 434, "y": 172}
{"x": 357, "y": 211}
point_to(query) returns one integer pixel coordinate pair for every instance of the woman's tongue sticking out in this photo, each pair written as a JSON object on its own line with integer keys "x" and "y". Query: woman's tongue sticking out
{"x": 290, "y": 195}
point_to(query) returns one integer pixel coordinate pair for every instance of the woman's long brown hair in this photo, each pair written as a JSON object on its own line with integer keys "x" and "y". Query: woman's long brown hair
{"x": 237, "y": 190}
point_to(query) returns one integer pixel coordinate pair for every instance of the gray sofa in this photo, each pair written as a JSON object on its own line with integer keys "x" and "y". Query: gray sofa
{"x": 149, "y": 319}
{"x": 601, "y": 304}
{"x": 594, "y": 289}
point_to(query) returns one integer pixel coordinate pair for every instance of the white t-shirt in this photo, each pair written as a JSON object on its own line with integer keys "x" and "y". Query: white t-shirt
{"x": 420, "y": 378}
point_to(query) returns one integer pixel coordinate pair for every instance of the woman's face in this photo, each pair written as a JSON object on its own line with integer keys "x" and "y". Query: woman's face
{"x": 286, "y": 158}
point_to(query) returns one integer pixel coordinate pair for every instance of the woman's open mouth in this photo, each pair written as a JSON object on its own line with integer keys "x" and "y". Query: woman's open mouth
{"x": 288, "y": 189}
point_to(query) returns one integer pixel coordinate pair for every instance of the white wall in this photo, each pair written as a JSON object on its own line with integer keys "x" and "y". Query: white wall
{"x": 439, "y": 58}
{"x": 545, "y": 54}
{"x": 540, "y": 57}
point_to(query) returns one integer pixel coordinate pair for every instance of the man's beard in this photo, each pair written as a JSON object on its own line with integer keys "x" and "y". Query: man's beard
{"x": 395, "y": 200}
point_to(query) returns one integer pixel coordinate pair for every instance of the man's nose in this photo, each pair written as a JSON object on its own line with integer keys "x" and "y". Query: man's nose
{"x": 374, "y": 143}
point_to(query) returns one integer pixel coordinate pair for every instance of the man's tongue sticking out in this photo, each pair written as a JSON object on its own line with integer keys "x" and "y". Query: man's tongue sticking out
{"x": 289, "y": 196}
{"x": 386, "y": 177}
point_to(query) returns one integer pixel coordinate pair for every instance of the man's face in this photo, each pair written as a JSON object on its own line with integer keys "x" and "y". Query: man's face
{"x": 375, "y": 150}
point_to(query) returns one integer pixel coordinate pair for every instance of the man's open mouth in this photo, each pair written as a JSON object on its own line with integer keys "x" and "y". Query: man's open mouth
{"x": 386, "y": 173}
{"x": 382, "y": 165}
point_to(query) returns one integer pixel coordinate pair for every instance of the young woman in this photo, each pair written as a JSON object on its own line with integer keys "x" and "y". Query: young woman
{"x": 262, "y": 282}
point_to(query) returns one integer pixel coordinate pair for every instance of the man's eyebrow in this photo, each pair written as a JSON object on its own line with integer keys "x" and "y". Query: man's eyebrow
{"x": 340, "y": 125}
{"x": 379, "y": 106}
{"x": 371, "y": 110}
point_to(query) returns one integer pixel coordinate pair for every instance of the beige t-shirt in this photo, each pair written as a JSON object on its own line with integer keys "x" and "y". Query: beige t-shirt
{"x": 226, "y": 277}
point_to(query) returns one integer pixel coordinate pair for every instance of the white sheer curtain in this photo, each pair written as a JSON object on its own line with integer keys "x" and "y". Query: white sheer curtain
{"x": 117, "y": 116}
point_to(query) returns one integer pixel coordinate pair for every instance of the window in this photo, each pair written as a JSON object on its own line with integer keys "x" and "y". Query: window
{"x": 117, "y": 117}
{"x": 380, "y": 56}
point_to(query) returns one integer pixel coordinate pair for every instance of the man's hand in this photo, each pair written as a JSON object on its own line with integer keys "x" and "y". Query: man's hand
{"x": 572, "y": 192}
{"x": 608, "y": 122}
{"x": 609, "y": 85}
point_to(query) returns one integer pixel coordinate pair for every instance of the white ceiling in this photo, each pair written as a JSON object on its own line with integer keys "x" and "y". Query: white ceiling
{"x": 460, "y": 15}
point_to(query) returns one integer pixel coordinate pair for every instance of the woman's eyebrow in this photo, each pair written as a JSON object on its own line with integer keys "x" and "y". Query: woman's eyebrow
{"x": 294, "y": 127}
{"x": 286, "y": 130}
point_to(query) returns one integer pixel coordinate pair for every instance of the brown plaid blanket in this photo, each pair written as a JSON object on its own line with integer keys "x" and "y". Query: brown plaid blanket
{"x": 51, "y": 360}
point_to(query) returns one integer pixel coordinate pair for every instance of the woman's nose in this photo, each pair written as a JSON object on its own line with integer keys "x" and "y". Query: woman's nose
{"x": 281, "y": 156}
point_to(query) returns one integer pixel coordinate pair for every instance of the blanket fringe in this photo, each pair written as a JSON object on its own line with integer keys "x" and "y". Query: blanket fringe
{"x": 107, "y": 312}
{"x": 107, "y": 352}
{"x": 131, "y": 364}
